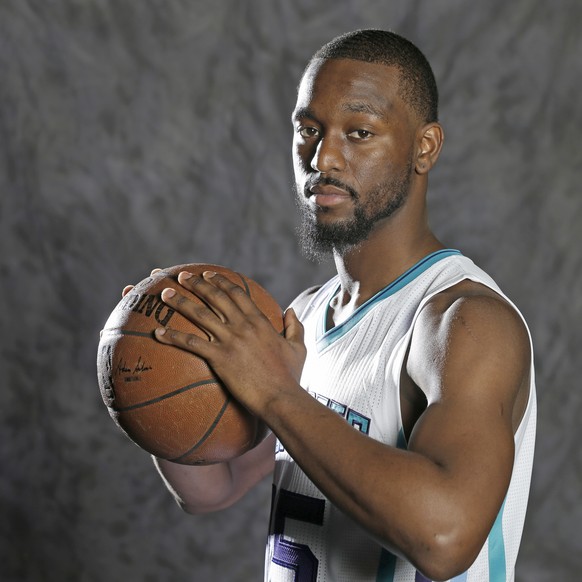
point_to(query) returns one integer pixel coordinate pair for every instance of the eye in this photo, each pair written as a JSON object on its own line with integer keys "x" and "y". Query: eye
{"x": 307, "y": 132}
{"x": 361, "y": 134}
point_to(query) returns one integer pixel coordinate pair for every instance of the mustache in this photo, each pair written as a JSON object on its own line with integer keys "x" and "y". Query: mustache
{"x": 328, "y": 181}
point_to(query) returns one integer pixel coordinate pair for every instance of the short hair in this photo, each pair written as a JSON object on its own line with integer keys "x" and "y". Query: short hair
{"x": 417, "y": 83}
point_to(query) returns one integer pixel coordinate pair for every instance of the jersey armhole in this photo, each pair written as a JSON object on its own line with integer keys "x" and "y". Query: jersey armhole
{"x": 405, "y": 345}
{"x": 401, "y": 352}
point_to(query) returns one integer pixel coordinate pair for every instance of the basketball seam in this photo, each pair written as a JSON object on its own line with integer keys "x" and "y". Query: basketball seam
{"x": 196, "y": 452}
{"x": 164, "y": 396}
{"x": 207, "y": 433}
{"x": 244, "y": 282}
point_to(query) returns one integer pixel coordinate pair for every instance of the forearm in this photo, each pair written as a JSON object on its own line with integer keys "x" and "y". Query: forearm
{"x": 405, "y": 500}
{"x": 197, "y": 489}
{"x": 204, "y": 489}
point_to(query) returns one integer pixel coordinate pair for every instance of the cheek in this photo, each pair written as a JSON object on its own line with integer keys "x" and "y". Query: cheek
{"x": 370, "y": 169}
{"x": 375, "y": 166}
{"x": 301, "y": 159}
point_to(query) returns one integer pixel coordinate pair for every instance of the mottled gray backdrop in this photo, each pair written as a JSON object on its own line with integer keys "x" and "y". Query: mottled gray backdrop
{"x": 148, "y": 133}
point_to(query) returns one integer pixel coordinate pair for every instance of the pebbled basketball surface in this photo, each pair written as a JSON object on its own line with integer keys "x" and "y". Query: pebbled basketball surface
{"x": 166, "y": 400}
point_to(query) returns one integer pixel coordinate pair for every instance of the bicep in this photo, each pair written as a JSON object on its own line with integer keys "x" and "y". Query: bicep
{"x": 471, "y": 359}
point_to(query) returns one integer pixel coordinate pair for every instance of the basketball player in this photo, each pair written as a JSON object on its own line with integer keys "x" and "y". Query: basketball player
{"x": 401, "y": 399}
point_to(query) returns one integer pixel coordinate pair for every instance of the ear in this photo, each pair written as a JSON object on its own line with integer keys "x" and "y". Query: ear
{"x": 430, "y": 142}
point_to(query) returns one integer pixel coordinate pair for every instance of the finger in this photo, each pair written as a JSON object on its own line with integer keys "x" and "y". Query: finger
{"x": 239, "y": 296}
{"x": 294, "y": 330}
{"x": 154, "y": 271}
{"x": 196, "y": 312}
{"x": 185, "y": 341}
{"x": 221, "y": 298}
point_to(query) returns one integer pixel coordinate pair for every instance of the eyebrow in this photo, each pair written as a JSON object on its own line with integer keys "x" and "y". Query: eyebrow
{"x": 354, "y": 107}
{"x": 303, "y": 113}
{"x": 364, "y": 107}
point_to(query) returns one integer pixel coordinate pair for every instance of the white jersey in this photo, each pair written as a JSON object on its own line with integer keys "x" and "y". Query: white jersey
{"x": 354, "y": 369}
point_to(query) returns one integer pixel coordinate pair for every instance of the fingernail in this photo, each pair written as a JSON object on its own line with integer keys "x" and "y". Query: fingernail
{"x": 168, "y": 293}
{"x": 160, "y": 331}
{"x": 208, "y": 274}
{"x": 185, "y": 275}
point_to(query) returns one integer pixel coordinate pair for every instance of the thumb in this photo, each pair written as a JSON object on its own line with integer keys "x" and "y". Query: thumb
{"x": 293, "y": 327}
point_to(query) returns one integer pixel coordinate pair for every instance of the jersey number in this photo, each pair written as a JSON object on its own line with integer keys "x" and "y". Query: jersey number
{"x": 291, "y": 555}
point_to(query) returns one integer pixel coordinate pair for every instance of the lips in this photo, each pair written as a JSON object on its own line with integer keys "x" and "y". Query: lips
{"x": 328, "y": 195}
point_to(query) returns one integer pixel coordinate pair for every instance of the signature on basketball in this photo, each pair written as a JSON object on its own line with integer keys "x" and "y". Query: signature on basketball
{"x": 140, "y": 367}
{"x": 122, "y": 368}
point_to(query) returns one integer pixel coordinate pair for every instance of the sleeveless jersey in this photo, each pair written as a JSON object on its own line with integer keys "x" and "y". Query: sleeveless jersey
{"x": 354, "y": 369}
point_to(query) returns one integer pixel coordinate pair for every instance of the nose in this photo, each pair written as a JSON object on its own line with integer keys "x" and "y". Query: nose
{"x": 328, "y": 156}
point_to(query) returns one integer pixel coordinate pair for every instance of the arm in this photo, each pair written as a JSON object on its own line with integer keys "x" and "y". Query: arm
{"x": 203, "y": 489}
{"x": 434, "y": 503}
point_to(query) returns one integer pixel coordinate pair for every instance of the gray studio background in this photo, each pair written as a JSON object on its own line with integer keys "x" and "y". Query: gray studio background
{"x": 136, "y": 134}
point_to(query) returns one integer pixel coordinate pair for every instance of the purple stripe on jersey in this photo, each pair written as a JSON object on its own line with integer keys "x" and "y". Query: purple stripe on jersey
{"x": 420, "y": 578}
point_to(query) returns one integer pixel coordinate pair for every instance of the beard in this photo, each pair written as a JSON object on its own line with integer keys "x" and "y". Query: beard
{"x": 320, "y": 241}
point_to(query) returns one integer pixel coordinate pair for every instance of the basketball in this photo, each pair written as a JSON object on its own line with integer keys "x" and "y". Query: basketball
{"x": 165, "y": 399}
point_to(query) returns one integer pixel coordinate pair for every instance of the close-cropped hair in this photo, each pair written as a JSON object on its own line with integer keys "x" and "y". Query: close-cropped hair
{"x": 417, "y": 85}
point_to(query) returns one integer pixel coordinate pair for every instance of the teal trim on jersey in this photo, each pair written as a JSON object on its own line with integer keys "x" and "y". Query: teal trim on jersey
{"x": 328, "y": 337}
{"x": 387, "y": 566}
{"x": 401, "y": 440}
{"x": 496, "y": 543}
{"x": 497, "y": 566}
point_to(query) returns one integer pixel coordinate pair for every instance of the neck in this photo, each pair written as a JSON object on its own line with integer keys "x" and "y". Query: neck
{"x": 394, "y": 246}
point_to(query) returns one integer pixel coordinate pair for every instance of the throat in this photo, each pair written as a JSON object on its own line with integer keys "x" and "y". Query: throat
{"x": 341, "y": 306}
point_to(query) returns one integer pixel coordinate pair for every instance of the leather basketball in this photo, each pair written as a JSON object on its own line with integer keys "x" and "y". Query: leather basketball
{"x": 167, "y": 400}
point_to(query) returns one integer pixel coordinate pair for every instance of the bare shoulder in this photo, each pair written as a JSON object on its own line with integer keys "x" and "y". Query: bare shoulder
{"x": 470, "y": 338}
{"x": 475, "y": 308}
{"x": 302, "y": 300}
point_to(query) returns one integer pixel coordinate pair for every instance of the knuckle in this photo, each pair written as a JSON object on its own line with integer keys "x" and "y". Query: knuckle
{"x": 237, "y": 290}
{"x": 249, "y": 326}
{"x": 212, "y": 294}
{"x": 191, "y": 341}
{"x": 203, "y": 313}
{"x": 216, "y": 277}
{"x": 194, "y": 281}
{"x": 179, "y": 300}
{"x": 169, "y": 336}
{"x": 225, "y": 283}
{"x": 213, "y": 291}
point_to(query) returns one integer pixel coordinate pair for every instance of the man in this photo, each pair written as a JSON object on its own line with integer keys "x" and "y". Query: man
{"x": 402, "y": 407}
